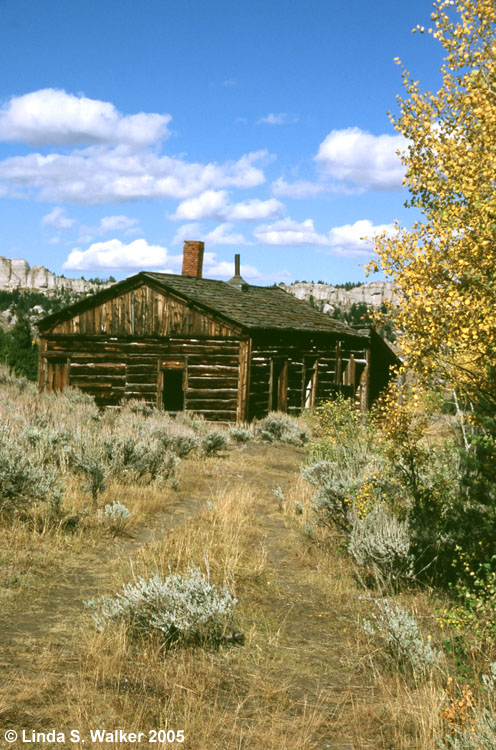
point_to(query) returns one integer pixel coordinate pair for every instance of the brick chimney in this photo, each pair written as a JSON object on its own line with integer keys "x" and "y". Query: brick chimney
{"x": 193, "y": 259}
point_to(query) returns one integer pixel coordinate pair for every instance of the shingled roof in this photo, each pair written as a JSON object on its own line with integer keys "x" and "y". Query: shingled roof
{"x": 251, "y": 307}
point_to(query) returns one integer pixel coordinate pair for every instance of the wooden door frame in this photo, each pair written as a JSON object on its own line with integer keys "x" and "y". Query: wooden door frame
{"x": 174, "y": 363}
{"x": 281, "y": 393}
{"x": 314, "y": 379}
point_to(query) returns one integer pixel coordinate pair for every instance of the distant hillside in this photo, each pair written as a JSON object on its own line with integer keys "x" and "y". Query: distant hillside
{"x": 352, "y": 303}
{"x": 30, "y": 292}
{"x": 327, "y": 297}
{"x": 16, "y": 273}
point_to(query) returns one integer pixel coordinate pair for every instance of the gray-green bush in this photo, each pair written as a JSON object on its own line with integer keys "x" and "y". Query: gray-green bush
{"x": 380, "y": 546}
{"x": 214, "y": 441}
{"x": 114, "y": 517}
{"x": 178, "y": 610}
{"x": 240, "y": 435}
{"x": 92, "y": 467}
{"x": 280, "y": 427}
{"x": 398, "y": 633}
{"x": 23, "y": 481}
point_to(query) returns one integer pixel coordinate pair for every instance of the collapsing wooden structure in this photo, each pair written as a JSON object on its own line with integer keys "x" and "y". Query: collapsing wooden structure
{"x": 227, "y": 350}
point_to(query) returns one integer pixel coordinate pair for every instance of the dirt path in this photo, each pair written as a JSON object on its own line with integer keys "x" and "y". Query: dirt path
{"x": 307, "y": 629}
{"x": 52, "y": 618}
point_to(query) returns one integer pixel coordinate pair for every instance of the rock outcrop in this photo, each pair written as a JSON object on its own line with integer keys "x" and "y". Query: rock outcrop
{"x": 372, "y": 294}
{"x": 16, "y": 273}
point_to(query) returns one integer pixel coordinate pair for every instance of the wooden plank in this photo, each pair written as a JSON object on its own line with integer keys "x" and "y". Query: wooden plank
{"x": 149, "y": 377}
{"x": 207, "y": 383}
{"x": 203, "y": 347}
{"x": 282, "y": 389}
{"x": 141, "y": 367}
{"x": 86, "y": 371}
{"x": 211, "y": 403}
{"x": 200, "y": 393}
{"x": 207, "y": 361}
{"x": 217, "y": 369}
{"x": 88, "y": 383}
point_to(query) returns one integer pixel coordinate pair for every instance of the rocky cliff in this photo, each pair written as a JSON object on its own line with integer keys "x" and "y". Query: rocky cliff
{"x": 372, "y": 294}
{"x": 16, "y": 273}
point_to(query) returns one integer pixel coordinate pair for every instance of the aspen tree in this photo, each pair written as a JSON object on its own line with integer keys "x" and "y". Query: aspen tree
{"x": 445, "y": 263}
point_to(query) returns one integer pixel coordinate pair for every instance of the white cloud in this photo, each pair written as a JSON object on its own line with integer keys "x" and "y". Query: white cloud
{"x": 211, "y": 204}
{"x": 354, "y": 156}
{"x": 298, "y": 189}
{"x": 221, "y": 235}
{"x": 52, "y": 116}
{"x": 114, "y": 254}
{"x": 255, "y": 210}
{"x": 282, "y": 118}
{"x": 356, "y": 239}
{"x": 109, "y": 225}
{"x": 117, "y": 223}
{"x": 101, "y": 174}
{"x": 187, "y": 232}
{"x": 58, "y": 219}
{"x": 214, "y": 204}
{"x": 221, "y": 269}
{"x": 290, "y": 232}
{"x": 348, "y": 240}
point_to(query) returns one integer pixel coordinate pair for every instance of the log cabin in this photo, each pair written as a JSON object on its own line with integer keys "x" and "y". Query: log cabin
{"x": 229, "y": 351}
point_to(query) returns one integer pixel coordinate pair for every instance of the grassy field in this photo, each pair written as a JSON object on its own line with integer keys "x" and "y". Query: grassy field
{"x": 301, "y": 672}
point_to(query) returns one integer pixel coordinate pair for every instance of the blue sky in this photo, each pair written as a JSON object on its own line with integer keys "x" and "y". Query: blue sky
{"x": 259, "y": 127}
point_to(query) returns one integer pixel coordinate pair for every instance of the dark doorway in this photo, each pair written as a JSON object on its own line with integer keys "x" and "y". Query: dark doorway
{"x": 172, "y": 390}
{"x": 278, "y": 385}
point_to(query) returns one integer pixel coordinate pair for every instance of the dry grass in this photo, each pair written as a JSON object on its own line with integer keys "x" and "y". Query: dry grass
{"x": 306, "y": 676}
{"x": 234, "y": 697}
{"x": 391, "y": 710}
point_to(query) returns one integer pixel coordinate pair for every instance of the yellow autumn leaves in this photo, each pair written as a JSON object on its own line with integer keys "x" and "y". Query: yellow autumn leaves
{"x": 445, "y": 264}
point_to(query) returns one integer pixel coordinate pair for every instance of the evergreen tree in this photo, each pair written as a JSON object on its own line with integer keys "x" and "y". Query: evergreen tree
{"x": 21, "y": 351}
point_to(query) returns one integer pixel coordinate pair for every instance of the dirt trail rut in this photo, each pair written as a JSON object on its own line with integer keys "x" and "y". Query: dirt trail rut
{"x": 311, "y": 632}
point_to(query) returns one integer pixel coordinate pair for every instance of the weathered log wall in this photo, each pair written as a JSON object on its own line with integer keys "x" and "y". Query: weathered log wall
{"x": 324, "y": 360}
{"x": 145, "y": 311}
{"x": 112, "y": 369}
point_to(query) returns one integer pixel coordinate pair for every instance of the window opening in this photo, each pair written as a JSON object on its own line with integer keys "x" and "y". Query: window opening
{"x": 309, "y": 382}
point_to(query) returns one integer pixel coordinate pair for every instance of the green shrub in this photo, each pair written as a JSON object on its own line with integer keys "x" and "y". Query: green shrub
{"x": 24, "y": 482}
{"x": 280, "y": 427}
{"x": 140, "y": 459}
{"x": 114, "y": 517}
{"x": 93, "y": 468}
{"x": 213, "y": 442}
{"x": 240, "y": 435}
{"x": 473, "y": 600}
